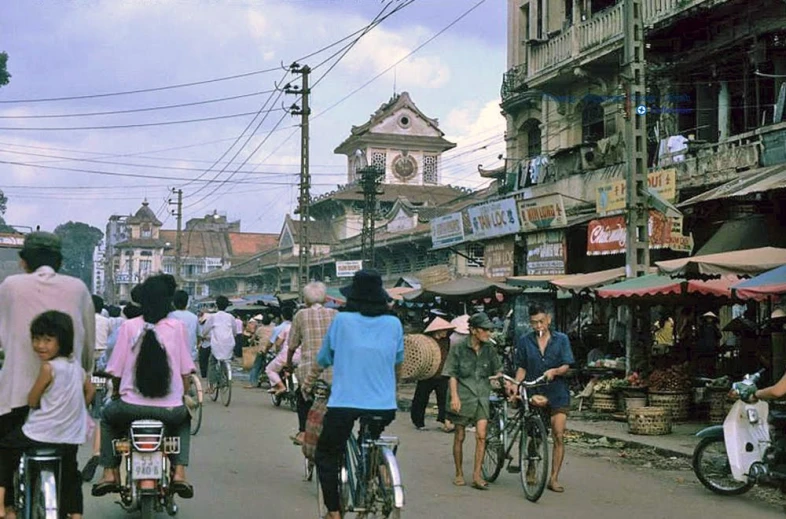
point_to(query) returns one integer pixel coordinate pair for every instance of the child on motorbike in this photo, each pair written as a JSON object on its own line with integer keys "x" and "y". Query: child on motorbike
{"x": 58, "y": 416}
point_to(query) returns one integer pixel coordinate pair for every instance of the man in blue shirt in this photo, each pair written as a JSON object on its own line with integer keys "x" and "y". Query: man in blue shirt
{"x": 365, "y": 346}
{"x": 543, "y": 352}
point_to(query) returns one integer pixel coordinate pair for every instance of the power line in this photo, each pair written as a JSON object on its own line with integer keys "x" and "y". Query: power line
{"x": 416, "y": 49}
{"x": 136, "y": 110}
{"x": 179, "y": 85}
{"x": 136, "y": 125}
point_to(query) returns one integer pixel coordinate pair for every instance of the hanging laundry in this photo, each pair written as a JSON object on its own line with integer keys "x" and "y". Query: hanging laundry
{"x": 677, "y": 146}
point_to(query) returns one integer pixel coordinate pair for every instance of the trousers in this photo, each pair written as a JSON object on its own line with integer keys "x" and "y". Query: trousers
{"x": 9, "y": 422}
{"x": 275, "y": 366}
{"x": 332, "y": 446}
{"x": 423, "y": 390}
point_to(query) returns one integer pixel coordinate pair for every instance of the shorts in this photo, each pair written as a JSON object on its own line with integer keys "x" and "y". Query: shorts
{"x": 464, "y": 421}
{"x": 559, "y": 410}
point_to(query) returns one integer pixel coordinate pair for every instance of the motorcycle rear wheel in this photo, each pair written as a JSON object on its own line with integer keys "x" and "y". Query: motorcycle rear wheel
{"x": 43, "y": 503}
{"x": 147, "y": 506}
{"x": 711, "y": 466}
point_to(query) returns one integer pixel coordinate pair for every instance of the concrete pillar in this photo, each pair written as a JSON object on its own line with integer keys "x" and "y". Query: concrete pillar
{"x": 724, "y": 111}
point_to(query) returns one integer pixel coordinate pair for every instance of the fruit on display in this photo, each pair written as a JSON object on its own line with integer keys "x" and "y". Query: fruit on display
{"x": 635, "y": 380}
{"x": 674, "y": 379}
{"x": 720, "y": 383}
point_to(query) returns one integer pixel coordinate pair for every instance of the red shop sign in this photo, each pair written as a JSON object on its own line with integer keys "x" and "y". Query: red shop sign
{"x": 609, "y": 235}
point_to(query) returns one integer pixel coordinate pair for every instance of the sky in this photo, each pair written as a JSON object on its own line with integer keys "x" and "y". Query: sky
{"x": 238, "y": 156}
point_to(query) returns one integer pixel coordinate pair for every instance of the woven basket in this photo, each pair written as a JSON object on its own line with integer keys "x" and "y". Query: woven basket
{"x": 605, "y": 402}
{"x": 635, "y": 402}
{"x": 649, "y": 421}
{"x": 719, "y": 404}
{"x": 675, "y": 402}
{"x": 421, "y": 357}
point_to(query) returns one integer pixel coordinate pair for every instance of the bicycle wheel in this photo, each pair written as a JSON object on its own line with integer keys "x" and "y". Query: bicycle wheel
{"x": 494, "y": 457}
{"x": 390, "y": 492}
{"x": 226, "y": 384}
{"x": 534, "y": 458}
{"x": 43, "y": 504}
{"x": 195, "y": 392}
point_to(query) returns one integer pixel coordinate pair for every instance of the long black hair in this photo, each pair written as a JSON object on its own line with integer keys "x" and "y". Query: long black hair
{"x": 152, "y": 371}
{"x": 58, "y": 325}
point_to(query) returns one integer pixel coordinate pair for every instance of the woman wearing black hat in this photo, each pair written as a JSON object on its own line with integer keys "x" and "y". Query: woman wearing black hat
{"x": 365, "y": 346}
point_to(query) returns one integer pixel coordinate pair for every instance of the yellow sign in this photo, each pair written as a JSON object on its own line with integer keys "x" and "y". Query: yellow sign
{"x": 611, "y": 196}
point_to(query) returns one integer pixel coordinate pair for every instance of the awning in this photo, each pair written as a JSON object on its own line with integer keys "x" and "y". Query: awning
{"x": 759, "y": 180}
{"x": 741, "y": 263}
{"x": 771, "y": 283}
{"x": 461, "y": 289}
{"x": 660, "y": 204}
{"x": 334, "y": 295}
{"x": 533, "y": 281}
{"x": 579, "y": 282}
{"x": 752, "y": 232}
{"x": 661, "y": 285}
{"x": 397, "y": 293}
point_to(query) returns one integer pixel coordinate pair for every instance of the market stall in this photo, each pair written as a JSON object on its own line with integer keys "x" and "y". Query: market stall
{"x": 741, "y": 263}
{"x": 770, "y": 284}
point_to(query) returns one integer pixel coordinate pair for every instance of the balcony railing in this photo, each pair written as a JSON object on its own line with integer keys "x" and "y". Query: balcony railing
{"x": 604, "y": 29}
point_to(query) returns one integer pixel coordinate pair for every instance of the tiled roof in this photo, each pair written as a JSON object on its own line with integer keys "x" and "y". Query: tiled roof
{"x": 144, "y": 214}
{"x": 320, "y": 232}
{"x": 250, "y": 243}
{"x": 199, "y": 244}
{"x": 430, "y": 195}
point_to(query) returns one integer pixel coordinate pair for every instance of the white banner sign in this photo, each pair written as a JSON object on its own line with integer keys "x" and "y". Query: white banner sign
{"x": 347, "y": 269}
{"x": 447, "y": 230}
{"x": 494, "y": 219}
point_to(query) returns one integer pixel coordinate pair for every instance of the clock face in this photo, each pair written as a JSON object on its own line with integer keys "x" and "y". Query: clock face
{"x": 405, "y": 167}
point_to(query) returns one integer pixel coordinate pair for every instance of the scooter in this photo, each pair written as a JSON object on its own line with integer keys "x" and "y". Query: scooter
{"x": 146, "y": 475}
{"x": 748, "y": 449}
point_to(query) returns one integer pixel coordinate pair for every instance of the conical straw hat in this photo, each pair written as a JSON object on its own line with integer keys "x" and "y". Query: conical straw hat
{"x": 438, "y": 324}
{"x": 462, "y": 324}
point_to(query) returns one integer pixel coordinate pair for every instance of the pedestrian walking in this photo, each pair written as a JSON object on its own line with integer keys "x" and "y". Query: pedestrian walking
{"x": 469, "y": 365}
{"x": 438, "y": 329}
{"x": 546, "y": 352}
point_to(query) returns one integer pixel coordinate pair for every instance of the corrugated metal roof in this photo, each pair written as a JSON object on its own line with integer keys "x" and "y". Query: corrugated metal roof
{"x": 759, "y": 180}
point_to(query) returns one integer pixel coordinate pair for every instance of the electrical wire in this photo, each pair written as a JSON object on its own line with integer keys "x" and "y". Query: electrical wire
{"x": 136, "y": 110}
{"x": 135, "y": 125}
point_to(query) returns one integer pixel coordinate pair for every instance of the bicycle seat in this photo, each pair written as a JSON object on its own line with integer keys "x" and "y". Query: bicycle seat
{"x": 41, "y": 451}
{"x": 370, "y": 419}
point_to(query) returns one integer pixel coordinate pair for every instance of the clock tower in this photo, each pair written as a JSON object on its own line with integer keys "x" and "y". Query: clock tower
{"x": 399, "y": 140}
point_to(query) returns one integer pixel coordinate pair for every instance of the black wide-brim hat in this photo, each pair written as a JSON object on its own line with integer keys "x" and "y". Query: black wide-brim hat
{"x": 366, "y": 286}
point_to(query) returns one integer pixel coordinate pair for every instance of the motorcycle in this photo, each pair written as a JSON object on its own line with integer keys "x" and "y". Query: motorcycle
{"x": 748, "y": 449}
{"x": 289, "y": 395}
{"x": 37, "y": 484}
{"x": 146, "y": 474}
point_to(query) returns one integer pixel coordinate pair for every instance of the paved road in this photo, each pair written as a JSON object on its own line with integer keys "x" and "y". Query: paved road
{"x": 243, "y": 466}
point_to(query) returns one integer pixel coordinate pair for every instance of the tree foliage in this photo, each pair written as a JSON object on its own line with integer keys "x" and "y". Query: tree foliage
{"x": 79, "y": 242}
{"x": 4, "y": 75}
{"x": 3, "y": 206}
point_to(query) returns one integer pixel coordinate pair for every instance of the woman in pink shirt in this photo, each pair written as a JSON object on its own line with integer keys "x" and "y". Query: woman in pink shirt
{"x": 153, "y": 362}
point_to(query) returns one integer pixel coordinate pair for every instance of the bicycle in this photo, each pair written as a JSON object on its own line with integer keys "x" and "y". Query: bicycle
{"x": 224, "y": 386}
{"x": 289, "y": 395}
{"x": 196, "y": 396}
{"x": 370, "y": 481}
{"x": 528, "y": 427}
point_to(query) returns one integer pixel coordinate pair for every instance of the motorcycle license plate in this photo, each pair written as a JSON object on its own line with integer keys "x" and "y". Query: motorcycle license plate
{"x": 147, "y": 465}
{"x": 98, "y": 380}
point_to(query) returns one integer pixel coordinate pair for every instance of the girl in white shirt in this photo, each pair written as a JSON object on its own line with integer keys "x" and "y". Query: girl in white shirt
{"x": 58, "y": 415}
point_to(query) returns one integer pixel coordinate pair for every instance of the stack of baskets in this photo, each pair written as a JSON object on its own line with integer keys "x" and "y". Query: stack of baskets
{"x": 651, "y": 421}
{"x": 604, "y": 402}
{"x": 677, "y": 403}
{"x": 422, "y": 357}
{"x": 719, "y": 404}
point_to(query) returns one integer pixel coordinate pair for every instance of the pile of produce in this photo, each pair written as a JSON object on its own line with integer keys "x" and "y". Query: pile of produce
{"x": 673, "y": 379}
{"x": 634, "y": 380}
{"x": 610, "y": 385}
{"x": 720, "y": 383}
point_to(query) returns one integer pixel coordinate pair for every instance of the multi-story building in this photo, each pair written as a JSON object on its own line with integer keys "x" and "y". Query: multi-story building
{"x": 715, "y": 80}
{"x": 406, "y": 147}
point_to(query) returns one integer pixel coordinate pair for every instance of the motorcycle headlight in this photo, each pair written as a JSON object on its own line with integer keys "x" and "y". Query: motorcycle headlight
{"x": 753, "y": 416}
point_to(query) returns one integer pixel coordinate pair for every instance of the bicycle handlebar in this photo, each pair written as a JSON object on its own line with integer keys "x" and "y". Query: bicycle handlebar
{"x": 538, "y": 381}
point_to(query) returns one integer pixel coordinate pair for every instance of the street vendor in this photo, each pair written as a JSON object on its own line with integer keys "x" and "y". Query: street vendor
{"x": 439, "y": 329}
{"x": 543, "y": 352}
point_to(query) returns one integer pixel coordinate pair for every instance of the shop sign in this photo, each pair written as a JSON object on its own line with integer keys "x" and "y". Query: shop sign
{"x": 544, "y": 212}
{"x": 609, "y": 235}
{"x": 494, "y": 219}
{"x": 676, "y": 226}
{"x": 546, "y": 253}
{"x": 611, "y": 195}
{"x": 12, "y": 240}
{"x": 447, "y": 230}
{"x": 347, "y": 269}
{"x": 678, "y": 242}
{"x": 498, "y": 258}
{"x": 125, "y": 278}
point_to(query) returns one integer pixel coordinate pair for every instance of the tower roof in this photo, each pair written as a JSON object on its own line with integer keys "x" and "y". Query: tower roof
{"x": 144, "y": 215}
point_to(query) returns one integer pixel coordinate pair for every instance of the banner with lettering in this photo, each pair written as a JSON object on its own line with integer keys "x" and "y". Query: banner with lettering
{"x": 609, "y": 235}
{"x": 447, "y": 230}
{"x": 546, "y": 253}
{"x": 543, "y": 212}
{"x": 498, "y": 258}
{"x": 496, "y": 218}
{"x": 610, "y": 197}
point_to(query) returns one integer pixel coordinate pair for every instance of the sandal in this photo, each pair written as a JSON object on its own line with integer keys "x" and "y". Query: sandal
{"x": 556, "y": 488}
{"x": 459, "y": 481}
{"x": 480, "y": 485}
{"x": 103, "y": 488}
{"x": 183, "y": 489}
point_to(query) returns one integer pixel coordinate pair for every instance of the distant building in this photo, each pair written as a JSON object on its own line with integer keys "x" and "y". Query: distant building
{"x": 99, "y": 269}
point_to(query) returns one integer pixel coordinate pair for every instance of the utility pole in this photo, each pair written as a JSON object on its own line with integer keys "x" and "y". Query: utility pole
{"x": 370, "y": 180}
{"x": 304, "y": 200}
{"x": 178, "y": 236}
{"x": 637, "y": 254}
